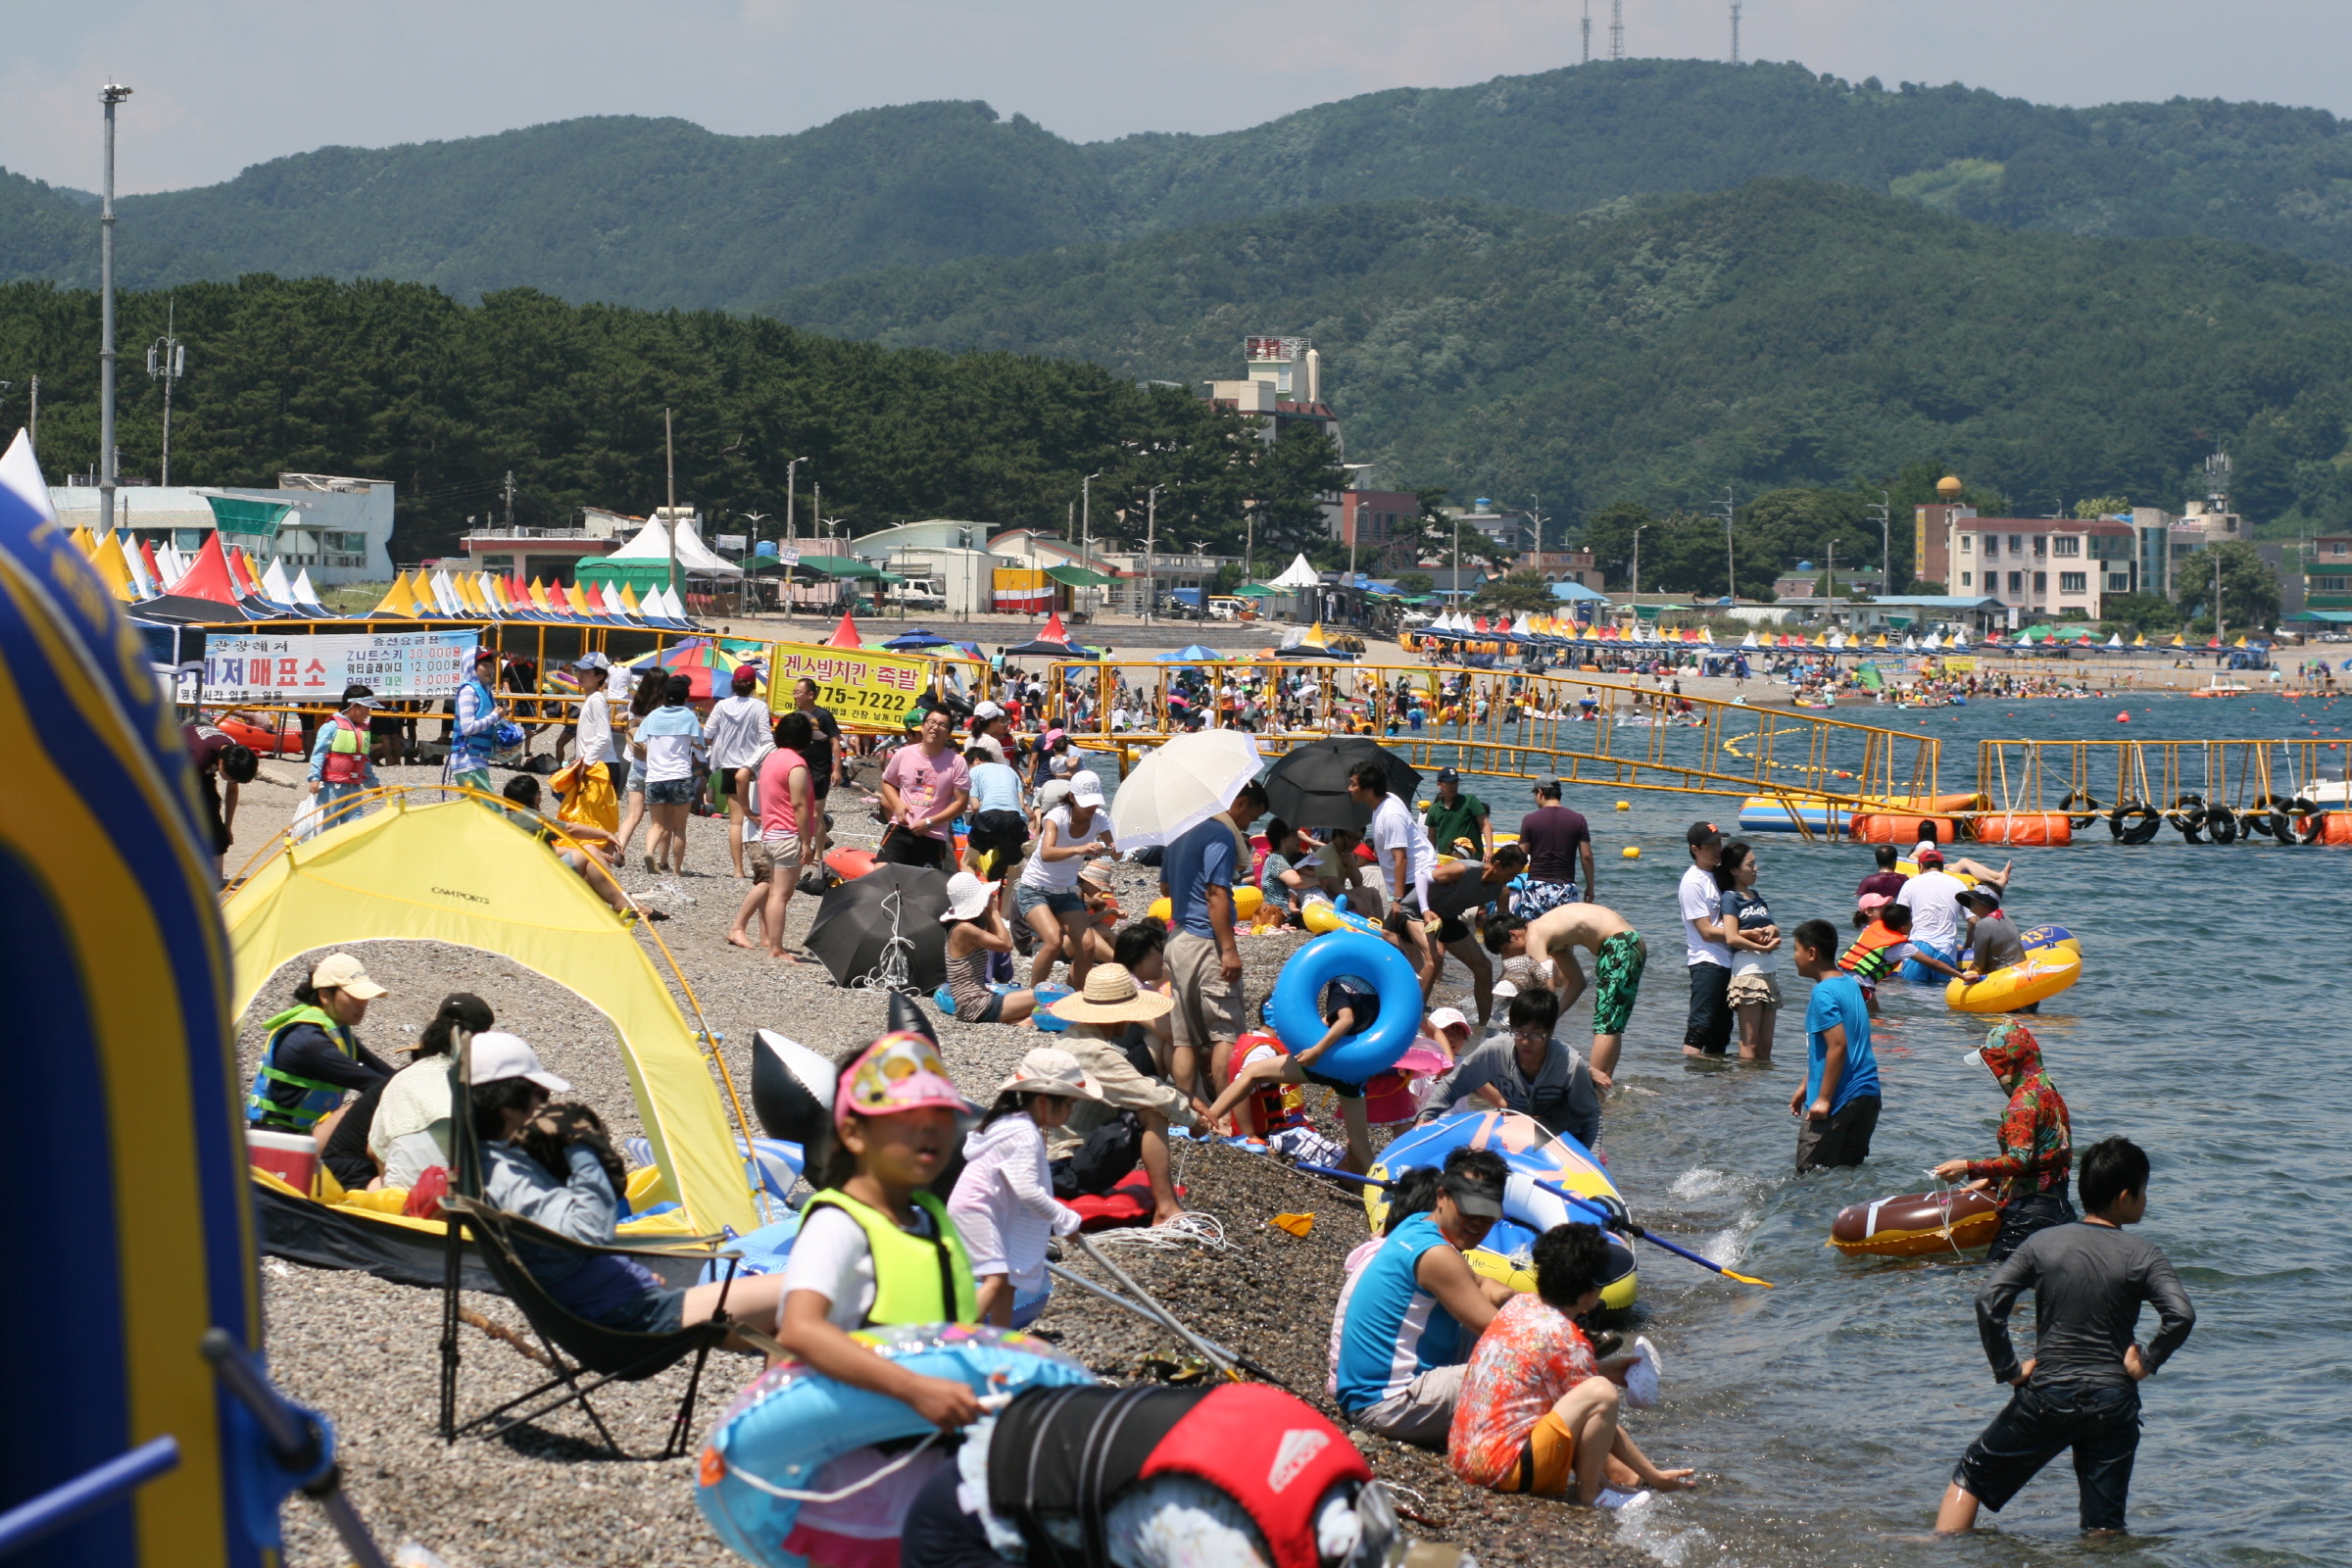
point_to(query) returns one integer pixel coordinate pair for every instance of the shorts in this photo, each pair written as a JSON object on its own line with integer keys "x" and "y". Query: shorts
{"x": 1547, "y": 1461}
{"x": 722, "y": 784}
{"x": 472, "y": 778}
{"x": 1753, "y": 988}
{"x": 1208, "y": 1010}
{"x": 1420, "y": 1413}
{"x": 1709, "y": 1026}
{"x": 1842, "y": 1139}
{"x": 1000, "y": 836}
{"x": 769, "y": 855}
{"x": 636, "y": 784}
{"x": 987, "y": 1008}
{"x": 902, "y": 847}
{"x": 1617, "y": 981}
{"x": 2101, "y": 1423}
{"x": 669, "y": 790}
{"x": 1338, "y": 1086}
{"x": 1534, "y": 898}
{"x": 659, "y": 1311}
{"x": 1067, "y": 906}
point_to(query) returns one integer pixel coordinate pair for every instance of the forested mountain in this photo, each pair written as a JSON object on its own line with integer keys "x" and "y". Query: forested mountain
{"x": 1786, "y": 332}
{"x": 399, "y": 381}
{"x": 661, "y": 213}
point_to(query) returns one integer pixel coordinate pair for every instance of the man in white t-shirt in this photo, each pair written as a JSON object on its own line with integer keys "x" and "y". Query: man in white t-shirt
{"x": 1407, "y": 859}
{"x": 1707, "y": 1032}
{"x": 1934, "y": 899}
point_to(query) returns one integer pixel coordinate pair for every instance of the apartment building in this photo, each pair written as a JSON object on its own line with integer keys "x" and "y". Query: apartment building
{"x": 2042, "y": 568}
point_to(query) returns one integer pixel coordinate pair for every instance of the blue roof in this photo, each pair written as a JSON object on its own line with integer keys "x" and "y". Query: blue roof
{"x": 1934, "y": 600}
{"x": 1571, "y": 589}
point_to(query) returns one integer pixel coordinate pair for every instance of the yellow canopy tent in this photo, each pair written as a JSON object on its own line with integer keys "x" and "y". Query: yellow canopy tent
{"x": 452, "y": 871}
{"x": 398, "y": 599}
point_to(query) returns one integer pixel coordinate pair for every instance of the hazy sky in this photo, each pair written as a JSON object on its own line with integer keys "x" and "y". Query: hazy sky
{"x": 225, "y": 84}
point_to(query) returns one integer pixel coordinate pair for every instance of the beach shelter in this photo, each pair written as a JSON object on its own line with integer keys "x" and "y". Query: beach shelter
{"x": 450, "y": 872}
{"x": 206, "y": 591}
{"x": 399, "y": 601}
{"x": 845, "y": 634}
{"x": 2139, "y": 639}
{"x": 113, "y": 571}
{"x": 274, "y": 586}
{"x": 306, "y": 596}
{"x": 116, "y": 967}
{"x": 1297, "y": 575}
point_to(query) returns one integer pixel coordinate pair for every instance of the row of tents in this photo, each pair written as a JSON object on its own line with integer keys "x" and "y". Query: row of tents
{"x": 1553, "y": 630}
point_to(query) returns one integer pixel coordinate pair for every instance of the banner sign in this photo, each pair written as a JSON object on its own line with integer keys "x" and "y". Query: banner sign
{"x": 406, "y": 665}
{"x": 864, "y": 689}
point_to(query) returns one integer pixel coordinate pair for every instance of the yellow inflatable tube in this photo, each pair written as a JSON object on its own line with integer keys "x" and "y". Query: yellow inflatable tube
{"x": 1321, "y": 916}
{"x": 1246, "y": 901}
{"x": 2044, "y": 973}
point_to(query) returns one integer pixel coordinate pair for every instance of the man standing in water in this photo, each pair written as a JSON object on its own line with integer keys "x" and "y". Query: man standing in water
{"x": 2081, "y": 1390}
{"x": 1708, "y": 1030}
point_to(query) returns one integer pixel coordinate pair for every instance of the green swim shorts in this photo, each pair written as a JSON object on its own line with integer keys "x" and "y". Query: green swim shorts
{"x": 1617, "y": 981}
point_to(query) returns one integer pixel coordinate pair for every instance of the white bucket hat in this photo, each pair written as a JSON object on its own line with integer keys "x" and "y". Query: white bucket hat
{"x": 1050, "y": 1070}
{"x": 968, "y": 895}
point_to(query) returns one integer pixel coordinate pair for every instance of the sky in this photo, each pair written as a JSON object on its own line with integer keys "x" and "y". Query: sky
{"x": 227, "y": 83}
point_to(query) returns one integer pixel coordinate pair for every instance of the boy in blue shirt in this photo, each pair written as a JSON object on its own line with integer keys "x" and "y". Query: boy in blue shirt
{"x": 1839, "y": 1102}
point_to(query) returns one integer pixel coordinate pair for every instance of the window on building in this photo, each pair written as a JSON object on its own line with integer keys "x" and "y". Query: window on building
{"x": 2119, "y": 582}
{"x": 2072, "y": 582}
{"x": 1966, "y": 578}
{"x": 2042, "y": 582}
{"x": 2337, "y": 547}
{"x": 2042, "y": 543}
{"x": 1992, "y": 544}
{"x": 2017, "y": 544}
{"x": 2017, "y": 582}
{"x": 2331, "y": 585}
{"x": 1967, "y": 541}
{"x": 2066, "y": 544}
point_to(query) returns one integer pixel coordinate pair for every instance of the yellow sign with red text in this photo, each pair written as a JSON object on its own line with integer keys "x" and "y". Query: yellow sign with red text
{"x": 863, "y": 689}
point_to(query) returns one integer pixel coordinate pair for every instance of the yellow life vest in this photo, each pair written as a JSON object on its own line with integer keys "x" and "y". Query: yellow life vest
{"x": 918, "y": 1279}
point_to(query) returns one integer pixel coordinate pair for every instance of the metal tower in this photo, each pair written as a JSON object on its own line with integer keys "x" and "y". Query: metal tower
{"x": 1587, "y": 31}
{"x": 1616, "y": 29}
{"x": 1735, "y": 31}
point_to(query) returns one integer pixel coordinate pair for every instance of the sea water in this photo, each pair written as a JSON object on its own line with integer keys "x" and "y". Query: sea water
{"x": 2209, "y": 1026}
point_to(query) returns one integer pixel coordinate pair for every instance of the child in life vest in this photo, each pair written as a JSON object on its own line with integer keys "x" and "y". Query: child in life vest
{"x": 1348, "y": 1006}
{"x": 1004, "y": 1204}
{"x": 875, "y": 1247}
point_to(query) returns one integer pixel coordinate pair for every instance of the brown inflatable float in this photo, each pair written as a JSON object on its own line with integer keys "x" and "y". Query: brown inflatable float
{"x": 1916, "y": 1224}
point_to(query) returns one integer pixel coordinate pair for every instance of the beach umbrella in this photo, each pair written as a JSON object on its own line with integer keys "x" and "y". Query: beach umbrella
{"x": 918, "y": 638}
{"x": 707, "y": 665}
{"x": 1181, "y": 785}
{"x": 1192, "y": 653}
{"x": 1308, "y": 787}
{"x": 882, "y": 930}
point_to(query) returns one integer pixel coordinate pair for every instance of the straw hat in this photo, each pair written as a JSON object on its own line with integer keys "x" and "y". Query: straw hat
{"x": 1111, "y": 995}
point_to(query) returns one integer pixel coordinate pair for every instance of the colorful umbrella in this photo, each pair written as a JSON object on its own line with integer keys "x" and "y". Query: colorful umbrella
{"x": 703, "y": 660}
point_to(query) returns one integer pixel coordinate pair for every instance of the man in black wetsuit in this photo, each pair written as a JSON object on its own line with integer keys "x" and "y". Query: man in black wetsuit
{"x": 2081, "y": 1390}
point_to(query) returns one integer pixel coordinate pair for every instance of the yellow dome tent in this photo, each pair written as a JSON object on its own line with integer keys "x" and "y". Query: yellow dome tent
{"x": 450, "y": 872}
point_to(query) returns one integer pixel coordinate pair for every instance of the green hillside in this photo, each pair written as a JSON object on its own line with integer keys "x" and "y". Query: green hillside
{"x": 1787, "y": 332}
{"x": 661, "y": 213}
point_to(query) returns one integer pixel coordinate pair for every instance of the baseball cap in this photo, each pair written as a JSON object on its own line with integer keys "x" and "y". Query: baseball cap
{"x": 1051, "y": 793}
{"x": 1086, "y": 789}
{"x": 1504, "y": 990}
{"x": 1473, "y": 1193}
{"x": 480, "y": 654}
{"x": 592, "y": 660}
{"x": 1453, "y": 1017}
{"x": 987, "y": 711}
{"x": 901, "y": 1071}
{"x": 1054, "y": 735}
{"x": 340, "y": 971}
{"x": 1926, "y": 853}
{"x": 1449, "y": 775}
{"x": 498, "y": 1056}
{"x": 1702, "y": 834}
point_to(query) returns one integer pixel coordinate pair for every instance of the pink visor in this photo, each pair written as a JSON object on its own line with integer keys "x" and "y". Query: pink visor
{"x": 1874, "y": 901}
{"x": 899, "y": 1071}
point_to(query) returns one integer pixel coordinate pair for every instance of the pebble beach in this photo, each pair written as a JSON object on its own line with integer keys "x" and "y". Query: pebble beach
{"x": 366, "y": 1352}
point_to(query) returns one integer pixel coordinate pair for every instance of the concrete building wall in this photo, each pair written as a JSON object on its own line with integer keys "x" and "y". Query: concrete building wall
{"x": 338, "y": 529}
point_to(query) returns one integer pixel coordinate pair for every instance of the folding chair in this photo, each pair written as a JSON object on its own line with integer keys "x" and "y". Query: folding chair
{"x": 597, "y": 1352}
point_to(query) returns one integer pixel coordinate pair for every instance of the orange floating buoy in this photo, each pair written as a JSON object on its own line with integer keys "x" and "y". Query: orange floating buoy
{"x": 2123, "y": 718}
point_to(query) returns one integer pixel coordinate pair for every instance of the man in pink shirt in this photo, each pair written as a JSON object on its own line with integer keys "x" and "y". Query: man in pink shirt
{"x": 924, "y": 787}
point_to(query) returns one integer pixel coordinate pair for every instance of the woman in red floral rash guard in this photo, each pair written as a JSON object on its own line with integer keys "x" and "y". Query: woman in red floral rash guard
{"x": 2038, "y": 1148}
{"x": 1537, "y": 1412}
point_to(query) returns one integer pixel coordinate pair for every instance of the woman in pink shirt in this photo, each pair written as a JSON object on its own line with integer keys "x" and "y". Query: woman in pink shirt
{"x": 786, "y": 814}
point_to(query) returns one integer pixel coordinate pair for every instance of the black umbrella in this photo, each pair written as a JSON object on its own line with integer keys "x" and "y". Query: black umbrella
{"x": 1038, "y": 645}
{"x": 1308, "y": 787}
{"x": 883, "y": 929}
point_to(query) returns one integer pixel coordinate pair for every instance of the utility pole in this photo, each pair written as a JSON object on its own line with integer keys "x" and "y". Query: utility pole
{"x": 110, "y": 95}
{"x": 1150, "y": 546}
{"x": 790, "y": 467}
{"x": 1735, "y": 31}
{"x": 1249, "y": 541}
{"x": 1638, "y": 562}
{"x": 510, "y": 489}
{"x": 1731, "y": 571}
{"x": 1616, "y": 29}
{"x": 1086, "y": 523}
{"x": 670, "y": 466}
{"x": 32, "y": 434}
{"x": 2216, "y": 596}
{"x": 743, "y": 582}
{"x": 1886, "y": 509}
{"x": 168, "y": 358}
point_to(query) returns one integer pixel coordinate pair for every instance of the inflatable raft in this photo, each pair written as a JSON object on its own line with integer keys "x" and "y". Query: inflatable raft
{"x": 2046, "y": 972}
{"x": 1917, "y": 1224}
{"x": 1527, "y": 1211}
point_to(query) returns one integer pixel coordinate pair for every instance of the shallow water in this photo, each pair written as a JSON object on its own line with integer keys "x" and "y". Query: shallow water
{"x": 1827, "y": 1413}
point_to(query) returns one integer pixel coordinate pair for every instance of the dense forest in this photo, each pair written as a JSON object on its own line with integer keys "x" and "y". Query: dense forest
{"x": 661, "y": 213}
{"x": 1785, "y": 333}
{"x": 399, "y": 381}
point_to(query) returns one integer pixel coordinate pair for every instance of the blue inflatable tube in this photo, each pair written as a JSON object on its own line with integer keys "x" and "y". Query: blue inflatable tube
{"x": 1297, "y": 1019}
{"x": 1919, "y": 974}
{"x": 793, "y": 1421}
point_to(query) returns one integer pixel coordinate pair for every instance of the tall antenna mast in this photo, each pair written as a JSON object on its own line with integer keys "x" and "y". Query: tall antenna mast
{"x": 1587, "y": 31}
{"x": 1735, "y": 31}
{"x": 1616, "y": 29}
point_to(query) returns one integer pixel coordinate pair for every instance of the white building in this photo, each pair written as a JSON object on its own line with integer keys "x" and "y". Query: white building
{"x": 338, "y": 529}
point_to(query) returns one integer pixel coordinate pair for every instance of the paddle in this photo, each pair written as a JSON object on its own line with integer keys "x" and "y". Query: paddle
{"x": 1616, "y": 1220}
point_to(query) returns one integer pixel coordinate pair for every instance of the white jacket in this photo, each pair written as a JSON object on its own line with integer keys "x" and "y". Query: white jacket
{"x": 1006, "y": 1194}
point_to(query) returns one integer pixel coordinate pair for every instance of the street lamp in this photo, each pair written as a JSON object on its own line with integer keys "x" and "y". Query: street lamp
{"x": 1085, "y": 546}
{"x": 743, "y": 582}
{"x": 791, "y": 468}
{"x": 1150, "y": 544}
{"x": 1637, "y": 532}
{"x": 110, "y": 95}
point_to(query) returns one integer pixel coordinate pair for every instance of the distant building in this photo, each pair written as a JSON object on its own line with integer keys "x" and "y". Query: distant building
{"x": 336, "y": 528}
{"x": 550, "y": 554}
{"x": 2042, "y": 568}
{"x": 2328, "y": 573}
{"x": 1283, "y": 385}
{"x": 1803, "y": 580}
{"x": 1370, "y": 519}
{"x": 1512, "y": 532}
{"x": 1563, "y": 565}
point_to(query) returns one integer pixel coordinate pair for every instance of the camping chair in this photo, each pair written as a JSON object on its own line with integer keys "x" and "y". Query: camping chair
{"x": 597, "y": 1352}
